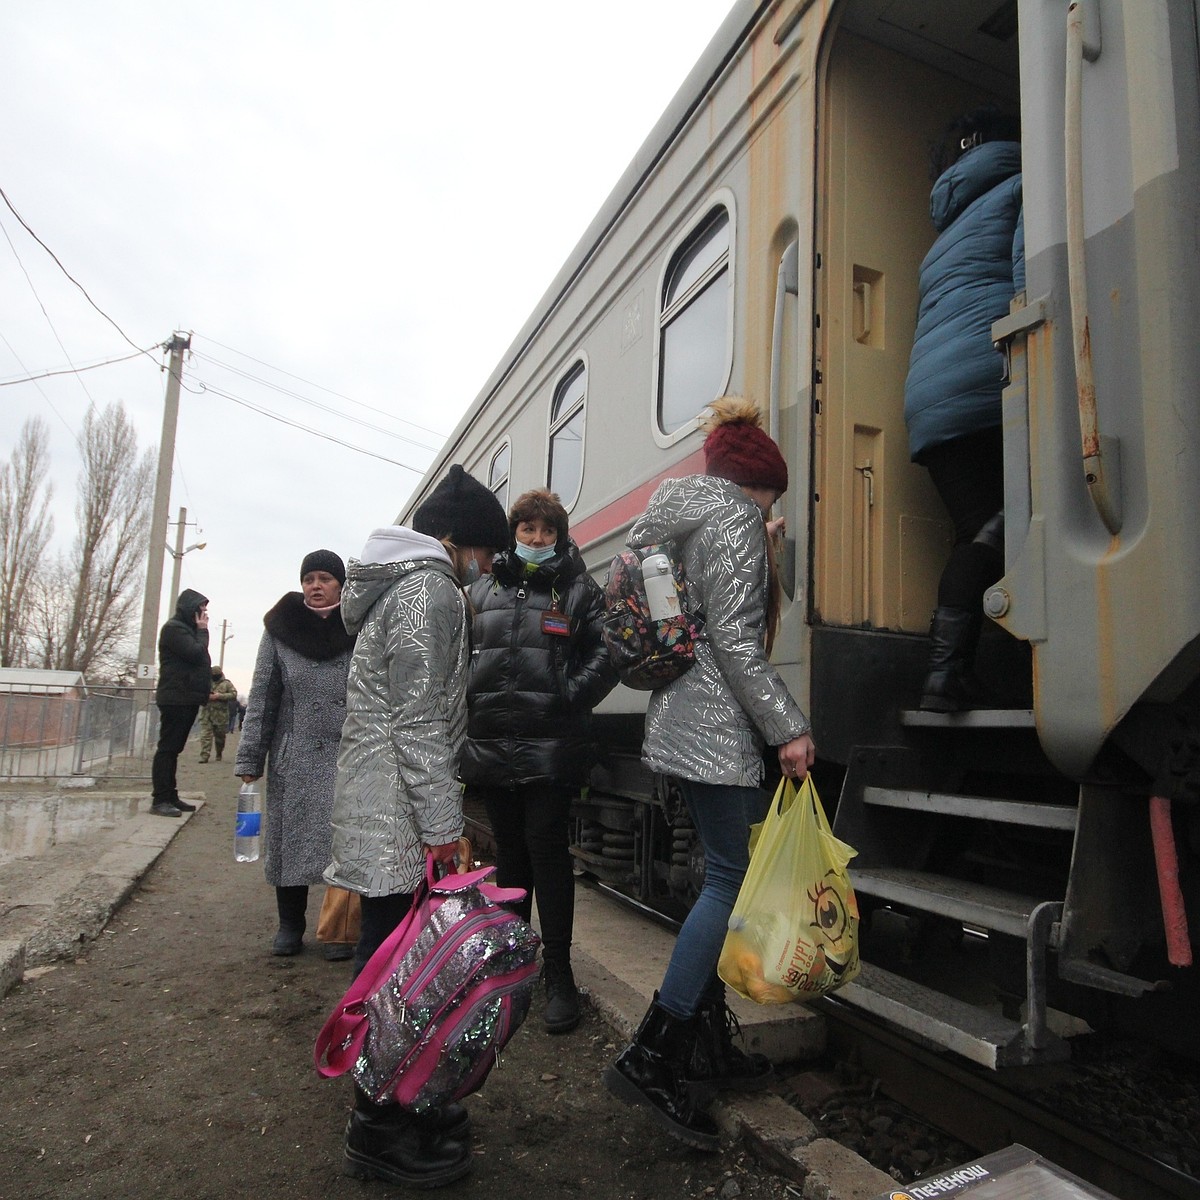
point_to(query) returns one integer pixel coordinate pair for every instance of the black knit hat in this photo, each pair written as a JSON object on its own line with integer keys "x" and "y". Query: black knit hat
{"x": 323, "y": 560}
{"x": 462, "y": 509}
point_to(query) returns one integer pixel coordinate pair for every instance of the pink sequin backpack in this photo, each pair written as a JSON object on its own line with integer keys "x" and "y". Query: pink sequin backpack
{"x": 426, "y": 1019}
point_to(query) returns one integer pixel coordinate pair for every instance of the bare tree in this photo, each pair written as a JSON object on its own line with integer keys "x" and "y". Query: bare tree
{"x": 25, "y": 530}
{"x": 115, "y": 493}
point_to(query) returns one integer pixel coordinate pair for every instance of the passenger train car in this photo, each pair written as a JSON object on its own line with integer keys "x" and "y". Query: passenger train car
{"x": 765, "y": 242}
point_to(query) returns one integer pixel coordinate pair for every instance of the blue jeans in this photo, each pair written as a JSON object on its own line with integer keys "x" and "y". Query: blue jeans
{"x": 722, "y": 816}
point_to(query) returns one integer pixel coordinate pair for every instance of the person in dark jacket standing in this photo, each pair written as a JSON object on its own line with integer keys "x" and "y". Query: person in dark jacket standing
{"x": 184, "y": 683}
{"x": 955, "y": 376}
{"x": 538, "y": 667}
{"x": 294, "y": 718}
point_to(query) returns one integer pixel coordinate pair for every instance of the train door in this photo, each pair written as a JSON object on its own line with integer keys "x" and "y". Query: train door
{"x": 881, "y": 535}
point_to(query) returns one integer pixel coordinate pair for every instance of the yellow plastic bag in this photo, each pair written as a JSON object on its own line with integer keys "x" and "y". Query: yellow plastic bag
{"x": 793, "y": 932}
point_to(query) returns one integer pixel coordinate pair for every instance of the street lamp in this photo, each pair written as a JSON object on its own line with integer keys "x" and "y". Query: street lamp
{"x": 177, "y": 554}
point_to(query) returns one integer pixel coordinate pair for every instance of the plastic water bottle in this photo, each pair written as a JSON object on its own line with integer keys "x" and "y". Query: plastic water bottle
{"x": 246, "y": 833}
{"x": 661, "y": 597}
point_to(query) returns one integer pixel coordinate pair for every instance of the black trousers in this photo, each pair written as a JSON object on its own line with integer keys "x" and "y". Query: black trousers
{"x": 380, "y": 916}
{"x": 531, "y": 827}
{"x": 174, "y": 724}
{"x": 968, "y": 473}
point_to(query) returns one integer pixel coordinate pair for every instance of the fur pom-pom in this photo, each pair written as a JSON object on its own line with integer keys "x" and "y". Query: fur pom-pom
{"x": 731, "y": 410}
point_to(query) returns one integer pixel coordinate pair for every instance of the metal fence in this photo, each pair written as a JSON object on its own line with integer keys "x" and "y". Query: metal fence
{"x": 49, "y": 731}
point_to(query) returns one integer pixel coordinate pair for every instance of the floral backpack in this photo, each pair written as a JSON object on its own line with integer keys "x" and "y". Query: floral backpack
{"x": 647, "y": 653}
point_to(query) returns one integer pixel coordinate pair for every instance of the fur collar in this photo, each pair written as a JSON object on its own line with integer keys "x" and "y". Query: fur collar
{"x": 300, "y": 629}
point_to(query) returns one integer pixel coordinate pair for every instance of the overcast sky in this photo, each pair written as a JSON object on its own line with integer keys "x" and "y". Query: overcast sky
{"x": 351, "y": 205}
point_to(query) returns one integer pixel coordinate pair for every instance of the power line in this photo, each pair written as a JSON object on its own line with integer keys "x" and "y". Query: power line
{"x": 315, "y": 403}
{"x": 28, "y": 230}
{"x": 341, "y": 396}
{"x": 266, "y": 412}
{"x": 91, "y": 399}
{"x": 72, "y": 370}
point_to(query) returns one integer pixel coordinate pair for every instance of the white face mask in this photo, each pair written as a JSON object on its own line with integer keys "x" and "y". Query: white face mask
{"x": 534, "y": 554}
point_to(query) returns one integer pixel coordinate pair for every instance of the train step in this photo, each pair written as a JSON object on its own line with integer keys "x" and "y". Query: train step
{"x": 979, "y": 808}
{"x": 974, "y": 1033}
{"x": 970, "y": 903}
{"x": 974, "y": 718}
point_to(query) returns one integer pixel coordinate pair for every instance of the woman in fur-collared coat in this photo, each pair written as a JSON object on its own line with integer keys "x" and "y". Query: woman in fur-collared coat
{"x": 294, "y": 719}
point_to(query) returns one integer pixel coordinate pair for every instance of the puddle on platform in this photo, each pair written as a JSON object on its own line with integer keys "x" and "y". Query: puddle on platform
{"x": 31, "y": 824}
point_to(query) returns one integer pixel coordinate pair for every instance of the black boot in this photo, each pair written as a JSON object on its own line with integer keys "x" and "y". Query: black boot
{"x": 655, "y": 1070}
{"x": 292, "y": 903}
{"x": 719, "y": 1061}
{"x": 562, "y": 997}
{"x": 949, "y": 685}
{"x": 385, "y": 1142}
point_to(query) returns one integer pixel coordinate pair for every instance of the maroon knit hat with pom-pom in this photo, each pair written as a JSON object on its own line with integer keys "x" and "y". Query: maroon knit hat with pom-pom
{"x": 739, "y": 450}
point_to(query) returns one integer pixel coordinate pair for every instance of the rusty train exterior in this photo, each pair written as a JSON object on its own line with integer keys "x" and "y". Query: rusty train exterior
{"x": 765, "y": 241}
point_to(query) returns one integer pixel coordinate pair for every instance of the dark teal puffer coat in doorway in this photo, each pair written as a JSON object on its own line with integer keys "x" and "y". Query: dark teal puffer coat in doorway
{"x": 972, "y": 271}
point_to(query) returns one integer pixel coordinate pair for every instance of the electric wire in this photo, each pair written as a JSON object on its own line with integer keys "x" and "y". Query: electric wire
{"x": 340, "y": 395}
{"x": 314, "y": 403}
{"x": 25, "y": 225}
{"x": 266, "y": 412}
{"x": 73, "y": 370}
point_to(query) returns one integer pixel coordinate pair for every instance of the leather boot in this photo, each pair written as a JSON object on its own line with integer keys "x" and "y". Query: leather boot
{"x": 722, "y": 1063}
{"x": 385, "y": 1142}
{"x": 291, "y": 903}
{"x": 949, "y": 685}
{"x": 654, "y": 1070}
{"x": 562, "y": 1011}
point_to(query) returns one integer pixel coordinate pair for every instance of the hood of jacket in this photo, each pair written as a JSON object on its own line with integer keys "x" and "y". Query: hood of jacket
{"x": 509, "y": 570}
{"x": 391, "y": 552}
{"x": 188, "y": 604}
{"x": 977, "y": 172}
{"x": 299, "y": 628}
{"x": 680, "y": 506}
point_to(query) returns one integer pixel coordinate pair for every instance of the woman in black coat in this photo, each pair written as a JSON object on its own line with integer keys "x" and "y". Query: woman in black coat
{"x": 538, "y": 667}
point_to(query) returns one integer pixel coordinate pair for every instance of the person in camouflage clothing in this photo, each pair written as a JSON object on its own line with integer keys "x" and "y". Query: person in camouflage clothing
{"x": 214, "y": 716}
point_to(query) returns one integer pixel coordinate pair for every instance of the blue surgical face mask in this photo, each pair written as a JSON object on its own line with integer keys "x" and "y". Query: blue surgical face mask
{"x": 534, "y": 554}
{"x": 471, "y": 573}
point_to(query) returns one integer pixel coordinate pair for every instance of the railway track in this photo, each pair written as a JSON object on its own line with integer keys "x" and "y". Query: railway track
{"x": 989, "y": 1110}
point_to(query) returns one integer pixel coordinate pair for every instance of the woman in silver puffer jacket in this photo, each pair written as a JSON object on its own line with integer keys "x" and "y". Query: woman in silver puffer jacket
{"x": 396, "y": 795}
{"x": 708, "y": 729}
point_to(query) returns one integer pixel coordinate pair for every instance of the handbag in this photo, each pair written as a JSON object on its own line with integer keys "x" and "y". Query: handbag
{"x": 793, "y": 932}
{"x": 426, "y": 1019}
{"x": 341, "y": 916}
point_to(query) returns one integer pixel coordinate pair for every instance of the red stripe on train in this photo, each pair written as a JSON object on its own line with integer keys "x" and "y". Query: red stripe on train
{"x": 621, "y": 511}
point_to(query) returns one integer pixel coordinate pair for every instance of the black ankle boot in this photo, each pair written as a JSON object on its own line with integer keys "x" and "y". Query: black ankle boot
{"x": 722, "y": 1063}
{"x": 562, "y": 1011}
{"x": 654, "y": 1070}
{"x": 291, "y": 903}
{"x": 953, "y": 636}
{"x": 385, "y": 1142}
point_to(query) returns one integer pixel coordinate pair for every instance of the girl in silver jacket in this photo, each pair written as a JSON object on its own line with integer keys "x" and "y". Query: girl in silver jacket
{"x": 708, "y": 730}
{"x": 396, "y": 795}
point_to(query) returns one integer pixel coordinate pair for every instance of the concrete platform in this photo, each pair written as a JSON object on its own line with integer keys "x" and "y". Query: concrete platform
{"x": 54, "y": 904}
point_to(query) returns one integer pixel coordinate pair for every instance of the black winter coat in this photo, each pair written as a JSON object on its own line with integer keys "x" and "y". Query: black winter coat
{"x": 184, "y": 668}
{"x": 531, "y": 693}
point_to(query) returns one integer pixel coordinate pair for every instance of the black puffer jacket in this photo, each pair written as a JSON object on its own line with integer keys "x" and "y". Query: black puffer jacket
{"x": 184, "y": 669}
{"x": 531, "y": 692}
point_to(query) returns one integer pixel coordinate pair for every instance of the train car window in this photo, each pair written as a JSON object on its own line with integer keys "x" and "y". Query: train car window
{"x": 694, "y": 324}
{"x": 566, "y": 435}
{"x": 498, "y": 474}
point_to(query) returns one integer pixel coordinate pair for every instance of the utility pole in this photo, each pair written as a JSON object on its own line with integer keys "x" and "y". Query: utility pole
{"x": 177, "y": 554}
{"x": 146, "y": 668}
{"x": 224, "y": 639}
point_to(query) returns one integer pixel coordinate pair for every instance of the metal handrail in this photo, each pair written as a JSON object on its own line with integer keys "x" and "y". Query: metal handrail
{"x": 1102, "y": 485}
